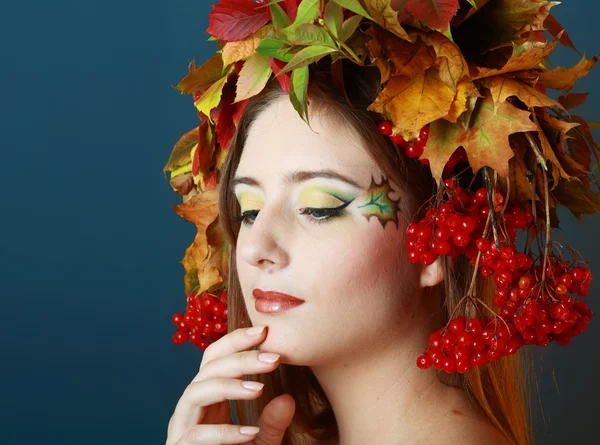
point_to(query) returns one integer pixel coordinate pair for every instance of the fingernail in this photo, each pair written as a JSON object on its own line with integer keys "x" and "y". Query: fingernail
{"x": 256, "y": 330}
{"x": 249, "y": 430}
{"x": 254, "y": 386}
{"x": 267, "y": 357}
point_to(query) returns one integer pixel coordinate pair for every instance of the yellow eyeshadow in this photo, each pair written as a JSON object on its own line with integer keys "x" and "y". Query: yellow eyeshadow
{"x": 322, "y": 197}
{"x": 249, "y": 201}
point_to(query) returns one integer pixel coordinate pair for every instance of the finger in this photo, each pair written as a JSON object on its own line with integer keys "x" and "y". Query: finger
{"x": 239, "y": 364}
{"x": 217, "y": 435}
{"x": 236, "y": 341}
{"x": 275, "y": 419}
{"x": 189, "y": 410}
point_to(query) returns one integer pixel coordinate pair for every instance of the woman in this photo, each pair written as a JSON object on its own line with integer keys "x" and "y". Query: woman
{"x": 317, "y": 202}
{"x": 367, "y": 310}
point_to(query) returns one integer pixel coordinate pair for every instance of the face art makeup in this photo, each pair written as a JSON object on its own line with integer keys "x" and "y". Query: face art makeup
{"x": 379, "y": 204}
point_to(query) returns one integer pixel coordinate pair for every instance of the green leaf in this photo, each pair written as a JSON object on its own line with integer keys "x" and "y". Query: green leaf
{"x": 306, "y": 56}
{"x": 280, "y": 18}
{"x": 254, "y": 75}
{"x": 308, "y": 11}
{"x": 307, "y": 34}
{"x": 272, "y": 47}
{"x": 333, "y": 17}
{"x": 299, "y": 92}
{"x": 349, "y": 27}
{"x": 354, "y": 6}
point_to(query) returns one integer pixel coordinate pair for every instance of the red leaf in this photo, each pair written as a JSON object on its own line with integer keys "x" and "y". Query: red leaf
{"x": 284, "y": 79}
{"x": 435, "y": 14}
{"x": 556, "y": 28}
{"x": 236, "y": 19}
{"x": 572, "y": 100}
{"x": 291, "y": 7}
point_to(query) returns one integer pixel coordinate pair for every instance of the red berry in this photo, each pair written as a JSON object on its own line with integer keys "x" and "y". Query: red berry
{"x": 385, "y": 128}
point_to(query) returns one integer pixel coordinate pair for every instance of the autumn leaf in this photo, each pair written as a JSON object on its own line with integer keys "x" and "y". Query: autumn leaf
{"x": 436, "y": 14}
{"x": 557, "y": 131}
{"x": 202, "y": 152}
{"x": 212, "y": 96}
{"x": 382, "y": 12}
{"x": 202, "y": 211}
{"x": 279, "y": 16}
{"x": 450, "y": 60}
{"x": 396, "y": 57}
{"x": 412, "y": 103}
{"x": 308, "y": 11}
{"x": 349, "y": 27}
{"x": 198, "y": 80}
{"x": 557, "y": 29}
{"x": 274, "y": 48}
{"x": 487, "y": 143}
{"x": 572, "y": 100}
{"x": 525, "y": 56}
{"x": 444, "y": 138}
{"x": 465, "y": 91}
{"x": 502, "y": 87}
{"x": 236, "y": 19}
{"x": 578, "y": 197}
{"x": 181, "y": 154}
{"x": 284, "y": 80}
{"x": 253, "y": 77}
{"x": 520, "y": 174}
{"x": 242, "y": 49}
{"x": 561, "y": 78}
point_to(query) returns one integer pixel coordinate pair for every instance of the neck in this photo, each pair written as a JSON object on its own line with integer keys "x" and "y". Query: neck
{"x": 380, "y": 395}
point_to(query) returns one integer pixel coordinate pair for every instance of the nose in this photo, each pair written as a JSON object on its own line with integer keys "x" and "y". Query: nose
{"x": 262, "y": 244}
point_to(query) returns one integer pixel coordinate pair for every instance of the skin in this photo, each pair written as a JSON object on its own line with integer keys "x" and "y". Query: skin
{"x": 365, "y": 318}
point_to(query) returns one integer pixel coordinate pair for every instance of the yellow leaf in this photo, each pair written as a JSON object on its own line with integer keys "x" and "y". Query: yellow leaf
{"x": 383, "y": 13}
{"x": 487, "y": 143}
{"x": 444, "y": 138}
{"x": 561, "y": 78}
{"x": 502, "y": 87}
{"x": 450, "y": 60}
{"x": 465, "y": 90}
{"x": 412, "y": 103}
{"x": 525, "y": 56}
{"x": 242, "y": 49}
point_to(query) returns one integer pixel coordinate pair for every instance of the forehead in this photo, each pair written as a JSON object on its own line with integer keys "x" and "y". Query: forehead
{"x": 279, "y": 141}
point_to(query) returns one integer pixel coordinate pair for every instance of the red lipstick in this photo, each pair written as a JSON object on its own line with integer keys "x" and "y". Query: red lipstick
{"x": 272, "y": 302}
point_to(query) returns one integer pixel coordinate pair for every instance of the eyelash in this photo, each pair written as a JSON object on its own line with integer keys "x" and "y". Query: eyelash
{"x": 329, "y": 214}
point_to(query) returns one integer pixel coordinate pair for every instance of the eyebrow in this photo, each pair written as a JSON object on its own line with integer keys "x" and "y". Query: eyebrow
{"x": 298, "y": 176}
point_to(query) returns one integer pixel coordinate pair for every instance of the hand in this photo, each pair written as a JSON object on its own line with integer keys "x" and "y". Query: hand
{"x": 202, "y": 415}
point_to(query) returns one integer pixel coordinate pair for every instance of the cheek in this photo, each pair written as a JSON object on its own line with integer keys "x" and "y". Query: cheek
{"x": 365, "y": 267}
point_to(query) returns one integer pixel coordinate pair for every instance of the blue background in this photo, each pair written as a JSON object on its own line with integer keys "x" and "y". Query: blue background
{"x": 90, "y": 245}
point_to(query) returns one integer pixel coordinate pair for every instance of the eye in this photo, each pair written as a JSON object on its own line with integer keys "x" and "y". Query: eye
{"x": 317, "y": 216}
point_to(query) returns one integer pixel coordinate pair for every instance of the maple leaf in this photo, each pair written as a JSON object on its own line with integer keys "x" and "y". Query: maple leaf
{"x": 527, "y": 55}
{"x": 444, "y": 138}
{"x": 561, "y": 78}
{"x": 466, "y": 91}
{"x": 578, "y": 197}
{"x": 556, "y": 29}
{"x": 411, "y": 103}
{"x": 557, "y": 131}
{"x": 201, "y": 272}
{"x": 502, "y": 87}
{"x": 384, "y": 15}
{"x": 395, "y": 57}
{"x": 450, "y": 60}
{"x": 436, "y": 14}
{"x": 520, "y": 175}
{"x": 202, "y": 152}
{"x": 236, "y": 19}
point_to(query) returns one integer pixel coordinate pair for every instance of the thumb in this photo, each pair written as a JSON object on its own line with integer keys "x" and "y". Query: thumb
{"x": 275, "y": 419}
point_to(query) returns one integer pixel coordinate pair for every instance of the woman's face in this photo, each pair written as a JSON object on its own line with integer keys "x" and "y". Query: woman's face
{"x": 351, "y": 269}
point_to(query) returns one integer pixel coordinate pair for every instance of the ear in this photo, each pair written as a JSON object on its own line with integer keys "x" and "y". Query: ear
{"x": 433, "y": 274}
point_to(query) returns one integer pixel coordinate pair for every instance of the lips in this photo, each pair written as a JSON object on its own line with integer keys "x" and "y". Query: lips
{"x": 273, "y": 295}
{"x": 271, "y": 302}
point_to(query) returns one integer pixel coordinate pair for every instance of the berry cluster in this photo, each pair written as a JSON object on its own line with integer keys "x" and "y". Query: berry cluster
{"x": 415, "y": 148}
{"x": 533, "y": 305}
{"x": 205, "y": 319}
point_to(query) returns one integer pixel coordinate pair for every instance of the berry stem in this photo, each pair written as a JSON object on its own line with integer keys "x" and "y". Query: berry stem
{"x": 490, "y": 195}
{"x": 536, "y": 150}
